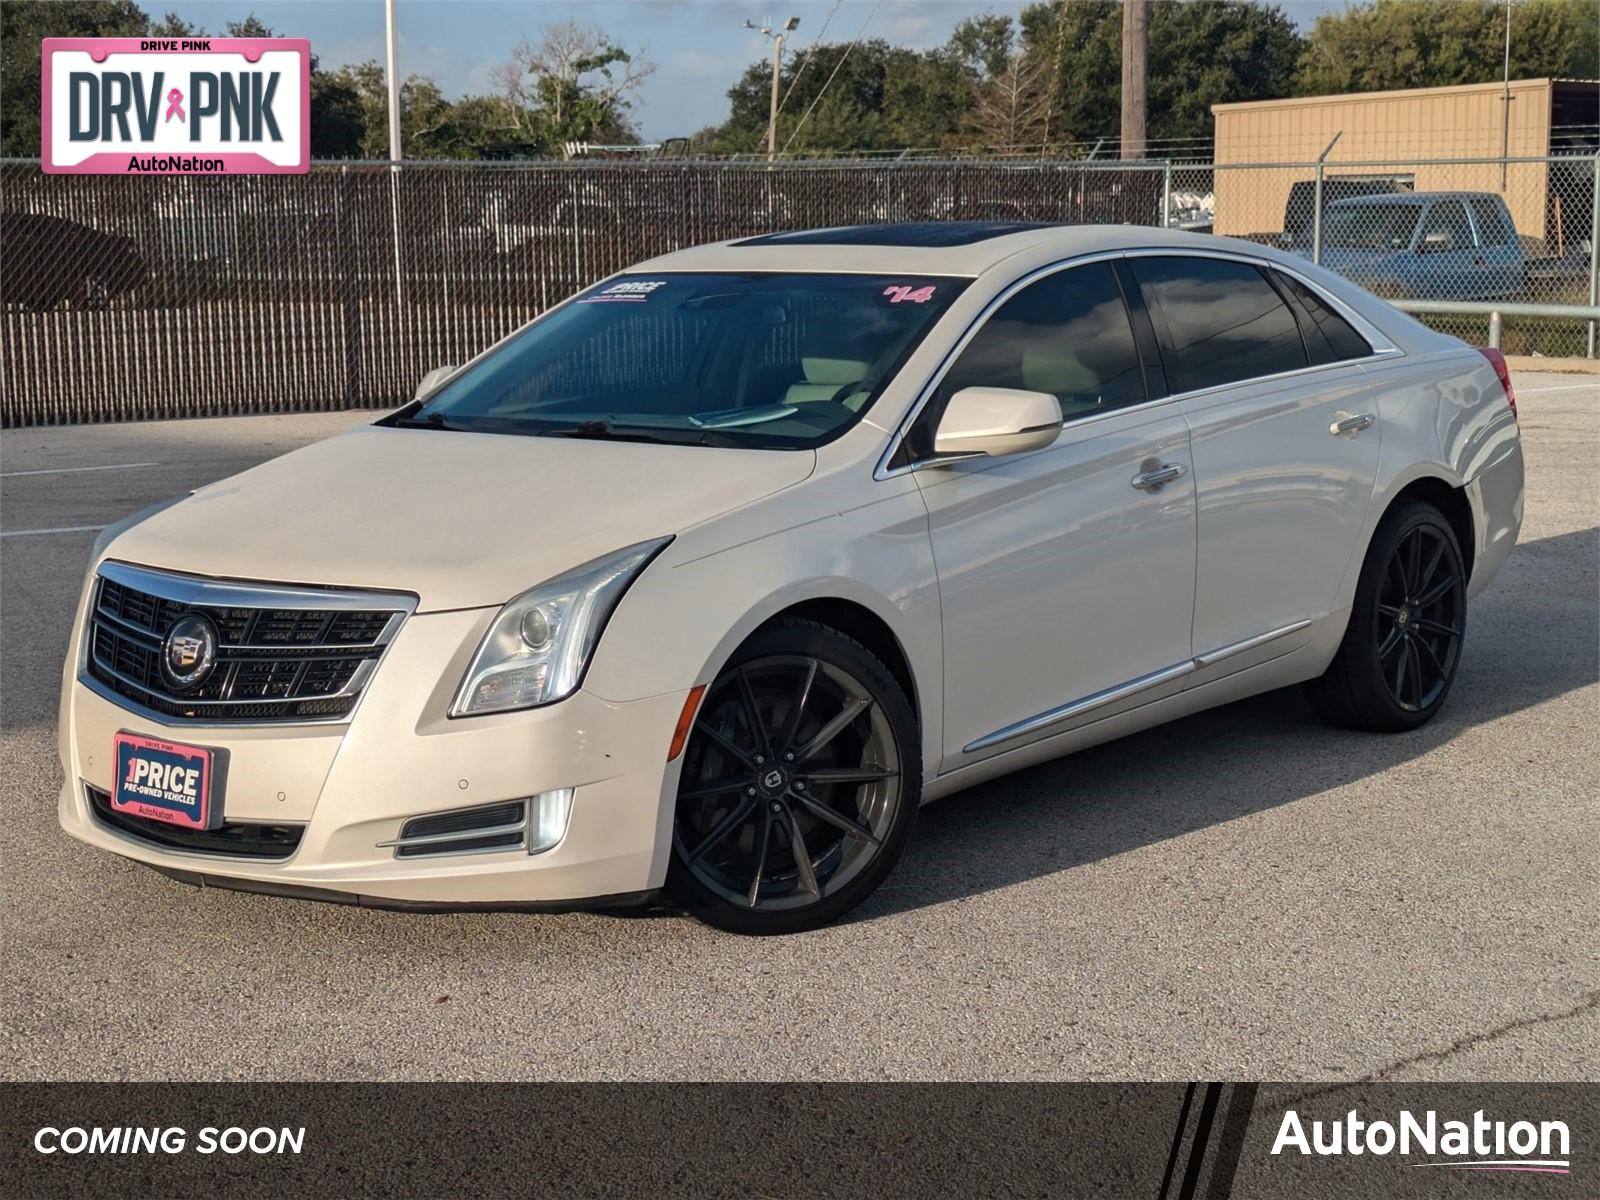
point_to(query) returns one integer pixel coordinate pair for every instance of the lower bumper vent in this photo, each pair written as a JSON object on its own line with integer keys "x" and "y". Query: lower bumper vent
{"x": 237, "y": 838}
{"x": 466, "y": 830}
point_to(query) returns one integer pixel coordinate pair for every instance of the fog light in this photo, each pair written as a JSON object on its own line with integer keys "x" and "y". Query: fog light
{"x": 548, "y": 814}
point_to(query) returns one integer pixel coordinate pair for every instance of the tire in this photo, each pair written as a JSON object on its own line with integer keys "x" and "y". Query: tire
{"x": 1403, "y": 645}
{"x": 830, "y": 761}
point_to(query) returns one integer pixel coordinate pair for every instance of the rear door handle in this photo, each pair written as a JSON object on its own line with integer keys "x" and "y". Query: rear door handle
{"x": 1149, "y": 481}
{"x": 1353, "y": 424}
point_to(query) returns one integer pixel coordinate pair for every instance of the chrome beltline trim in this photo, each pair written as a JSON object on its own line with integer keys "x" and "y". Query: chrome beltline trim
{"x": 1122, "y": 691}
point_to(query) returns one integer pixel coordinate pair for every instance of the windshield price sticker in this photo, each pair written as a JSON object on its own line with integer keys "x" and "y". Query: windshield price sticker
{"x": 907, "y": 294}
{"x": 629, "y": 291}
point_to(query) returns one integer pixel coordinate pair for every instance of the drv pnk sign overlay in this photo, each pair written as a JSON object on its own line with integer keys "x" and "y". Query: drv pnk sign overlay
{"x": 186, "y": 106}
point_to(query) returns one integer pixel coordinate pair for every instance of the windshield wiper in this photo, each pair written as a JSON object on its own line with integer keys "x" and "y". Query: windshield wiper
{"x": 605, "y": 431}
{"x": 433, "y": 420}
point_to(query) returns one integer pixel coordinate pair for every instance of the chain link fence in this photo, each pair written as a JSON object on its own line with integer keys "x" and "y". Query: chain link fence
{"x": 123, "y": 298}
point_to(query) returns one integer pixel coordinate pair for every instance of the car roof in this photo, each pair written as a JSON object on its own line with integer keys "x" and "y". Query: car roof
{"x": 1409, "y": 198}
{"x": 959, "y": 248}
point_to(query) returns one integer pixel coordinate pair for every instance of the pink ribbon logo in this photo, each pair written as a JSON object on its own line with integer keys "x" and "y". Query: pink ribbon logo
{"x": 175, "y": 105}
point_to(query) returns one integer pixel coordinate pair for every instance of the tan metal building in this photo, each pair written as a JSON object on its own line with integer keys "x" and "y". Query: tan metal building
{"x": 1403, "y": 130}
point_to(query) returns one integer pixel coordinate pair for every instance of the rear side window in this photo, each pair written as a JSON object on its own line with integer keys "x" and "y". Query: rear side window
{"x": 1449, "y": 217}
{"x": 1491, "y": 223}
{"x": 1329, "y": 337}
{"x": 1220, "y": 321}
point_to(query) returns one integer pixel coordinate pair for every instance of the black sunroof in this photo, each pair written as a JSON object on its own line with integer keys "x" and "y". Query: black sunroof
{"x": 902, "y": 233}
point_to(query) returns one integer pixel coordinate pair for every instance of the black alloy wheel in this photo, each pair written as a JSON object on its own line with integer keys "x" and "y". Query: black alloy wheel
{"x": 799, "y": 786}
{"x": 1407, "y": 627}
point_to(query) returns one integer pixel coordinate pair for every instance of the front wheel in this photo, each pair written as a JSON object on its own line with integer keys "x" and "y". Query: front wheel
{"x": 1403, "y": 644}
{"x": 800, "y": 784}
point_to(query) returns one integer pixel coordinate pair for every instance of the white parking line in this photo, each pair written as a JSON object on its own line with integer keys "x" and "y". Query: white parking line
{"x": 1569, "y": 387}
{"x": 73, "y": 470}
{"x": 62, "y": 529}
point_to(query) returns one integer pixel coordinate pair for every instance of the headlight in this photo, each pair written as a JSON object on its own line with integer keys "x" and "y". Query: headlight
{"x": 539, "y": 645}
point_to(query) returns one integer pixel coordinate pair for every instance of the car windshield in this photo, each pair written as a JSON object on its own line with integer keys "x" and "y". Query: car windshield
{"x": 779, "y": 361}
{"x": 1370, "y": 226}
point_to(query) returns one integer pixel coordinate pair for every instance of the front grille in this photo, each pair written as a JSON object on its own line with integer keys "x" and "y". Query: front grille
{"x": 240, "y": 839}
{"x": 280, "y": 655}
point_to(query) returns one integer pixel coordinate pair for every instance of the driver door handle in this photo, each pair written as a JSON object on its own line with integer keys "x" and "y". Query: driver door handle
{"x": 1353, "y": 424}
{"x": 1149, "y": 481}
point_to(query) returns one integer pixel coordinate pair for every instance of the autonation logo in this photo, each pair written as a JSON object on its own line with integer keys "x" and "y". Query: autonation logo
{"x": 1476, "y": 1145}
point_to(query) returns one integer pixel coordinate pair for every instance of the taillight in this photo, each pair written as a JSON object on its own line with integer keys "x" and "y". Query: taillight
{"x": 1498, "y": 362}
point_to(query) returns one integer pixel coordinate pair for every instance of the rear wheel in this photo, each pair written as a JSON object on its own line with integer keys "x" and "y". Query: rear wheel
{"x": 800, "y": 784}
{"x": 1403, "y": 645}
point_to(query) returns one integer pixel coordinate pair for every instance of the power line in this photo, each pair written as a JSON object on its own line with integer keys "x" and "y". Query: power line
{"x": 810, "y": 54}
{"x": 818, "y": 97}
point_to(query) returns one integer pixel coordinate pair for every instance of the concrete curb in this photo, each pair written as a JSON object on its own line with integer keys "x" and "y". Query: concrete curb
{"x": 1569, "y": 366}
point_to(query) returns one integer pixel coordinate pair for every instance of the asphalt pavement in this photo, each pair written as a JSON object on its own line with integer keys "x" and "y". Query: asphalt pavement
{"x": 1243, "y": 894}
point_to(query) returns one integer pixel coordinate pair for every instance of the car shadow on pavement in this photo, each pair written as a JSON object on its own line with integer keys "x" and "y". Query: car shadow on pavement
{"x": 1530, "y": 639}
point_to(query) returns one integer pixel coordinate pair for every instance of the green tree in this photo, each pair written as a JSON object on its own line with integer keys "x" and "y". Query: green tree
{"x": 23, "y": 23}
{"x": 1200, "y": 55}
{"x": 1379, "y": 45}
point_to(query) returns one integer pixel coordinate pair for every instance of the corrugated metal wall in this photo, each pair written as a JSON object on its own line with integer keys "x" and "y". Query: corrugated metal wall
{"x": 1400, "y": 129}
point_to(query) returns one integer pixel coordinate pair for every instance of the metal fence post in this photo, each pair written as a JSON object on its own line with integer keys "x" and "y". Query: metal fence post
{"x": 1316, "y": 215}
{"x": 1594, "y": 248}
{"x": 350, "y": 263}
{"x": 1166, "y": 194}
{"x": 1495, "y": 326}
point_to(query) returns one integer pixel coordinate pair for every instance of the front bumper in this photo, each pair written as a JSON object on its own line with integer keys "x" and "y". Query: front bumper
{"x": 353, "y": 786}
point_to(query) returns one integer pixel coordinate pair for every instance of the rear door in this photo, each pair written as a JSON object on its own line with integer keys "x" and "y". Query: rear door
{"x": 1284, "y": 438}
{"x": 1499, "y": 254}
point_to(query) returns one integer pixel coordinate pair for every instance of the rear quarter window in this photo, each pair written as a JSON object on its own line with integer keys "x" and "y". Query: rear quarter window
{"x": 1329, "y": 337}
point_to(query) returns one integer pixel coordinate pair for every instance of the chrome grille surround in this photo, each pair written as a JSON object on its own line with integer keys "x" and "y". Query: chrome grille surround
{"x": 285, "y": 654}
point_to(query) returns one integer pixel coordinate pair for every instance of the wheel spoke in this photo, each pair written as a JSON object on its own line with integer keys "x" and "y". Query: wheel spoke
{"x": 1438, "y": 627}
{"x": 723, "y": 828}
{"x": 833, "y": 728}
{"x": 797, "y": 707}
{"x": 1396, "y": 573}
{"x": 1386, "y": 647}
{"x": 1416, "y": 668}
{"x": 1432, "y": 566}
{"x": 1400, "y": 664}
{"x": 1413, "y": 564}
{"x": 717, "y": 788}
{"x": 727, "y": 744}
{"x": 752, "y": 714}
{"x": 834, "y": 817}
{"x": 1437, "y": 592}
{"x": 760, "y": 849}
{"x": 802, "y": 857}
{"x": 1392, "y": 611}
{"x": 1433, "y": 657}
{"x": 825, "y": 775}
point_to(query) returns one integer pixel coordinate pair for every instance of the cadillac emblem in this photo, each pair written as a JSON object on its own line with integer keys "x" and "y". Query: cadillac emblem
{"x": 189, "y": 651}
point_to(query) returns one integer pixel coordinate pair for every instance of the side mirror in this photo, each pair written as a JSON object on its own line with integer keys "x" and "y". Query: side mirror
{"x": 432, "y": 380}
{"x": 1436, "y": 243}
{"x": 997, "y": 421}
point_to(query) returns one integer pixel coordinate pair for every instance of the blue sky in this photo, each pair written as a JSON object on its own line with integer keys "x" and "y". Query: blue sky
{"x": 699, "y": 46}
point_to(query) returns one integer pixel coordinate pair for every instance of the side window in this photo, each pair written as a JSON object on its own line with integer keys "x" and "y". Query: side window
{"x": 1221, "y": 321}
{"x": 1068, "y": 334}
{"x": 1491, "y": 223}
{"x": 1449, "y": 216}
{"x": 1330, "y": 337}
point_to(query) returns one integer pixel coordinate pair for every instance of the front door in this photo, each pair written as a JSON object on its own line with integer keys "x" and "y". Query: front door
{"x": 1066, "y": 575}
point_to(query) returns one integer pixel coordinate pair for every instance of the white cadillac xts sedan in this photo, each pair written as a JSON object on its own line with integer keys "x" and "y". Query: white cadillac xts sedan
{"x": 704, "y": 580}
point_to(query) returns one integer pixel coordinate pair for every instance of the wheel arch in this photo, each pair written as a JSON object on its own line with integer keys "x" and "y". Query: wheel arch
{"x": 1452, "y": 503}
{"x": 859, "y": 623}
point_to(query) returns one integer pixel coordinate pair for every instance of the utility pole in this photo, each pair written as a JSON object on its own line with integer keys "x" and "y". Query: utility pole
{"x": 1135, "y": 45}
{"x": 394, "y": 84}
{"x": 777, "y": 36}
{"x": 1505, "y": 104}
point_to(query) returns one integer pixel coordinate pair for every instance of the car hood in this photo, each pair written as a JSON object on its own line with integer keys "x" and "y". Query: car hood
{"x": 464, "y": 520}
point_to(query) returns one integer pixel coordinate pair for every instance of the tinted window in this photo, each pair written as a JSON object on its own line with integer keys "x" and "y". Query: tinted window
{"x": 1223, "y": 320}
{"x": 1491, "y": 223}
{"x": 764, "y": 360}
{"x": 1449, "y": 217}
{"x": 1067, "y": 334}
{"x": 1329, "y": 337}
